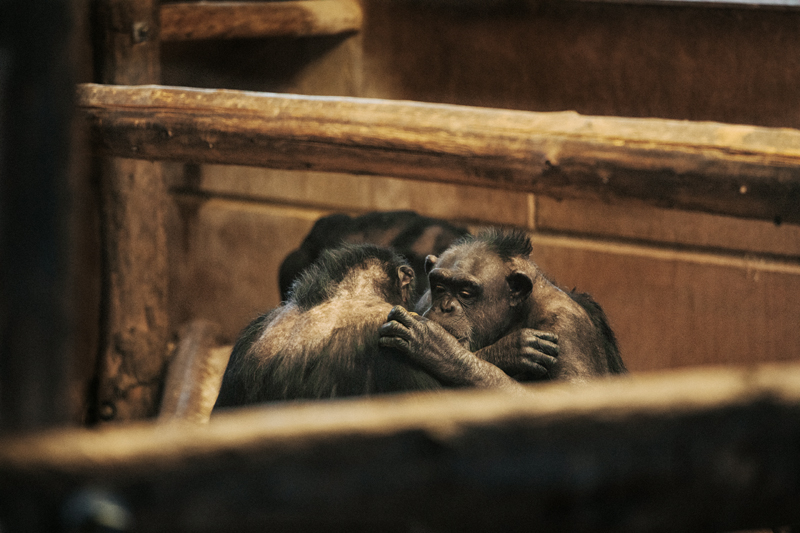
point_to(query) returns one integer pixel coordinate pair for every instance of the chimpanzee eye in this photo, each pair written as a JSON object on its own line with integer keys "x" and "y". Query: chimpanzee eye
{"x": 465, "y": 293}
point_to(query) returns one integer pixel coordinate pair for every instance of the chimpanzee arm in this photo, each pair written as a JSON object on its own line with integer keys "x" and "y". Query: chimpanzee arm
{"x": 525, "y": 354}
{"x": 429, "y": 345}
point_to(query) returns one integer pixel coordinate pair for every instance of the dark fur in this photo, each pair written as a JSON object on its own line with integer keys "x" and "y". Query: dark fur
{"x": 506, "y": 244}
{"x": 586, "y": 347}
{"x": 402, "y": 231}
{"x": 348, "y": 362}
{"x": 318, "y": 282}
{"x": 600, "y": 321}
{"x": 515, "y": 243}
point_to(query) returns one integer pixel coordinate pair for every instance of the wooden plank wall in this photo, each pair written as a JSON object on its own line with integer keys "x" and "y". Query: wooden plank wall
{"x": 680, "y": 288}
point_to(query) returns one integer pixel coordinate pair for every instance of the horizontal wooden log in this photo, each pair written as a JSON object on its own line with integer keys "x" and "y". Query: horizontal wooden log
{"x": 699, "y": 450}
{"x": 718, "y": 168}
{"x": 231, "y": 20}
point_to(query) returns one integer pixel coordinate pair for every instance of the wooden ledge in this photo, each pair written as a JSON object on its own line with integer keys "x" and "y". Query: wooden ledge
{"x": 232, "y": 20}
{"x": 743, "y": 171}
{"x": 704, "y": 449}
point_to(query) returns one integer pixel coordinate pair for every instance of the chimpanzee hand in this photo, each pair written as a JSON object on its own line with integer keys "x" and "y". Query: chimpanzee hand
{"x": 526, "y": 354}
{"x": 429, "y": 345}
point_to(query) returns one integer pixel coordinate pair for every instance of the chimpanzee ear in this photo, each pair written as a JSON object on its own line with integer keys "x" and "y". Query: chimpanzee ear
{"x": 520, "y": 285}
{"x": 406, "y": 275}
{"x": 430, "y": 262}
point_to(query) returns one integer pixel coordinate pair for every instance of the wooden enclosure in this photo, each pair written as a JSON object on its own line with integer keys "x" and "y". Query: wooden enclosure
{"x": 651, "y": 149}
{"x": 679, "y": 285}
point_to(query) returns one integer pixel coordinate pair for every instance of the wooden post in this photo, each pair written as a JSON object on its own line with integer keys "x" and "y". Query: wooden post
{"x": 134, "y": 327}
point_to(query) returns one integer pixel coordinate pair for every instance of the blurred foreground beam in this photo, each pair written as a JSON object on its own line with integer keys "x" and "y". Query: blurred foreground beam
{"x": 699, "y": 450}
{"x": 743, "y": 171}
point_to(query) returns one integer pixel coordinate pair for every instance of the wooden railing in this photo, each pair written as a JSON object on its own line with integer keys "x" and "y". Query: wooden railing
{"x": 743, "y": 171}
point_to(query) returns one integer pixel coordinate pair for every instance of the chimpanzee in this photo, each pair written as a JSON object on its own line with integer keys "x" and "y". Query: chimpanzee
{"x": 485, "y": 294}
{"x": 411, "y": 235}
{"x": 323, "y": 341}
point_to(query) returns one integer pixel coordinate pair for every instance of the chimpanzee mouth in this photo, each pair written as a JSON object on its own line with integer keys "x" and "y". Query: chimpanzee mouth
{"x": 464, "y": 338}
{"x": 457, "y": 333}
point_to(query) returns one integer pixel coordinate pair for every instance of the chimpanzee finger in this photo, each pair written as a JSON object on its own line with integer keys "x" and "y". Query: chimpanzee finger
{"x": 395, "y": 343}
{"x": 545, "y": 346}
{"x": 546, "y": 335}
{"x": 538, "y": 360}
{"x": 399, "y": 314}
{"x": 394, "y": 329}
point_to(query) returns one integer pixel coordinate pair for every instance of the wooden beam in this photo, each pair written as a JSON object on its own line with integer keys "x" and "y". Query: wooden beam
{"x": 698, "y": 450}
{"x": 726, "y": 169}
{"x": 134, "y": 324}
{"x": 230, "y": 20}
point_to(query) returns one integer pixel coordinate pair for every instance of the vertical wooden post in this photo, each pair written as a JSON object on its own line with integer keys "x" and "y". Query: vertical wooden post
{"x": 36, "y": 102}
{"x": 134, "y": 328}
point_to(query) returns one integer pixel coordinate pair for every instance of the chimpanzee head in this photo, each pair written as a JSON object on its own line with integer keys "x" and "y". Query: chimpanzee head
{"x": 480, "y": 286}
{"x": 359, "y": 270}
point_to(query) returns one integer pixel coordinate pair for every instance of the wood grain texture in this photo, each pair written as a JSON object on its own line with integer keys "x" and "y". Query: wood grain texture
{"x": 736, "y": 170}
{"x": 134, "y": 321}
{"x": 127, "y": 41}
{"x": 707, "y": 450}
{"x": 228, "y": 20}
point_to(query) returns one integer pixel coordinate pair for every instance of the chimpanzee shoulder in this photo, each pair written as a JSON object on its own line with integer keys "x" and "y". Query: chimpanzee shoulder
{"x": 607, "y": 336}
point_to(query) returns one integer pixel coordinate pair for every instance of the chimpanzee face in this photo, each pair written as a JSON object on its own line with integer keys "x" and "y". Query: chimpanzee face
{"x": 470, "y": 294}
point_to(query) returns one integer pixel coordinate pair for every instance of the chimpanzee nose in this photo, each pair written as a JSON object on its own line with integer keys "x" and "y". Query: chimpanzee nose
{"x": 447, "y": 305}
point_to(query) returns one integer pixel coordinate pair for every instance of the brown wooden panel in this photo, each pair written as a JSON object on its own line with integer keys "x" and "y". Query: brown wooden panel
{"x": 737, "y": 65}
{"x": 347, "y": 192}
{"x": 322, "y": 65}
{"x": 674, "y": 227}
{"x": 735, "y": 170}
{"x": 673, "y": 309}
{"x": 224, "y": 258}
